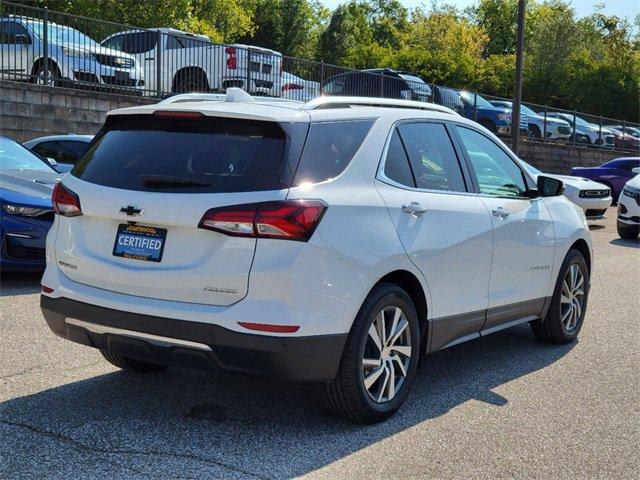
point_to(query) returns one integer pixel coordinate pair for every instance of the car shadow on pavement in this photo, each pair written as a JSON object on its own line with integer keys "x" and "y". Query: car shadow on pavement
{"x": 185, "y": 423}
{"x": 626, "y": 243}
{"x": 19, "y": 283}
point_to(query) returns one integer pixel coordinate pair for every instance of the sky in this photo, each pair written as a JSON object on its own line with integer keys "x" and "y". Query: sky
{"x": 621, "y": 8}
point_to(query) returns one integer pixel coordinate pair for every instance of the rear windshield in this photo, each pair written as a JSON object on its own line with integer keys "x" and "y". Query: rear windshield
{"x": 210, "y": 155}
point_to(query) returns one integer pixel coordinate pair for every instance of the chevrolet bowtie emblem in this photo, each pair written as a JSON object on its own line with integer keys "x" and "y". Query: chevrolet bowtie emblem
{"x": 131, "y": 210}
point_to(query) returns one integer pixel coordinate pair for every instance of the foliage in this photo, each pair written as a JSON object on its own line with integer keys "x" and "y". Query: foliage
{"x": 589, "y": 64}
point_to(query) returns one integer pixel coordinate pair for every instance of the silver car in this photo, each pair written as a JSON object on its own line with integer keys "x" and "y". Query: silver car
{"x": 73, "y": 57}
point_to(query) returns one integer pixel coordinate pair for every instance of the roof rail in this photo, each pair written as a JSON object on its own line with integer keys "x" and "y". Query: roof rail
{"x": 233, "y": 95}
{"x": 346, "y": 102}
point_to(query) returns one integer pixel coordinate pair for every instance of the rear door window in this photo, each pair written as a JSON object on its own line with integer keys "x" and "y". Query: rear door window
{"x": 208, "y": 155}
{"x": 433, "y": 159}
{"x": 329, "y": 148}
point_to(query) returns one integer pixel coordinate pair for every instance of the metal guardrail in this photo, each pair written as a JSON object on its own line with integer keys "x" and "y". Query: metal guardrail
{"x": 60, "y": 49}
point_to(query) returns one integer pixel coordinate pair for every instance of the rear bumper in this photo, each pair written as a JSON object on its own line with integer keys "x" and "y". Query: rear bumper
{"x": 189, "y": 344}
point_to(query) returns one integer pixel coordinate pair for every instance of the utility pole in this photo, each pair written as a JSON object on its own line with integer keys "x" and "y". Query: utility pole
{"x": 515, "y": 112}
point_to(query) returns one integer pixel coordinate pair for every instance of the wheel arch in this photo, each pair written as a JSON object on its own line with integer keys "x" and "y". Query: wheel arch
{"x": 582, "y": 246}
{"x": 412, "y": 285}
{"x": 39, "y": 61}
{"x": 189, "y": 70}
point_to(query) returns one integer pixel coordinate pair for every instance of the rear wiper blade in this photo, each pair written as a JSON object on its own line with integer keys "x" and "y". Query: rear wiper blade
{"x": 169, "y": 181}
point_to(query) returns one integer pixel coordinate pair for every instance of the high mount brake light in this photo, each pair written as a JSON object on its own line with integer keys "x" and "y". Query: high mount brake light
{"x": 292, "y": 86}
{"x": 65, "y": 202}
{"x": 287, "y": 219}
{"x": 177, "y": 114}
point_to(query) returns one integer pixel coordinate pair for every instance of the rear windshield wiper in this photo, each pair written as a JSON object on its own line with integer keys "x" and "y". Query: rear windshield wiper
{"x": 169, "y": 181}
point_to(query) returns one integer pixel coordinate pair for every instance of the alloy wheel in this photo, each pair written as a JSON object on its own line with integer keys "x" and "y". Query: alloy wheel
{"x": 387, "y": 354}
{"x": 572, "y": 297}
{"x": 42, "y": 80}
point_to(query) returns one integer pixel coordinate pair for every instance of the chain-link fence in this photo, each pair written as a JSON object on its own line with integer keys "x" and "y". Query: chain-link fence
{"x": 60, "y": 49}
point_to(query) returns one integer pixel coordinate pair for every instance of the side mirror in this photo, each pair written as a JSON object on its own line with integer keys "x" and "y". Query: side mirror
{"x": 635, "y": 170}
{"x": 51, "y": 161}
{"x": 549, "y": 187}
{"x": 22, "y": 39}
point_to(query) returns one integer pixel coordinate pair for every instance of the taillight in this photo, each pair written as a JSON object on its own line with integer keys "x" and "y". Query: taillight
{"x": 232, "y": 61}
{"x": 65, "y": 202}
{"x": 291, "y": 86}
{"x": 287, "y": 220}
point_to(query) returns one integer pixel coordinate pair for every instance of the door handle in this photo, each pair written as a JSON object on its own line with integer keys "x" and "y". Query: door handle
{"x": 414, "y": 208}
{"x": 148, "y": 59}
{"x": 500, "y": 212}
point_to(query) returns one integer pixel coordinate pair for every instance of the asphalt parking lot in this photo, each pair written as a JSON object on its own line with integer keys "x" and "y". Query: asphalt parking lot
{"x": 504, "y": 406}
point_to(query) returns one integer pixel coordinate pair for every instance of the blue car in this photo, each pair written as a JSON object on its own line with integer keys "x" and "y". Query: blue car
{"x": 26, "y": 214}
{"x": 496, "y": 119}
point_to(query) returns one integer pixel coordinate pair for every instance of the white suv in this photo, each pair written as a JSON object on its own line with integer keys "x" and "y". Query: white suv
{"x": 335, "y": 241}
{"x": 629, "y": 208}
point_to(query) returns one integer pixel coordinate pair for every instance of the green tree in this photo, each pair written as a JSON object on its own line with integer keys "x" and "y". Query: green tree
{"x": 442, "y": 47}
{"x": 498, "y": 18}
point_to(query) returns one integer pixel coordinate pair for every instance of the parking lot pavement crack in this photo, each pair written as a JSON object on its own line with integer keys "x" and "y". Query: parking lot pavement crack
{"x": 112, "y": 451}
{"x": 21, "y": 372}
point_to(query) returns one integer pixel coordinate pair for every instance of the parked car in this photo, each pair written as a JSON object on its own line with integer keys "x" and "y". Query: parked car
{"x": 191, "y": 63}
{"x": 593, "y": 197}
{"x": 290, "y": 262}
{"x": 475, "y": 107}
{"x": 594, "y": 134}
{"x": 73, "y": 57}
{"x": 614, "y": 174}
{"x": 378, "y": 82}
{"x": 296, "y": 88}
{"x": 537, "y": 125}
{"x": 633, "y": 131}
{"x": 629, "y": 208}
{"x": 625, "y": 141}
{"x": 64, "y": 149}
{"x": 26, "y": 213}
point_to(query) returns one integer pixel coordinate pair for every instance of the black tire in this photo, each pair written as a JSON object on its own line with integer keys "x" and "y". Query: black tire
{"x": 628, "y": 232}
{"x": 534, "y": 132}
{"x": 346, "y": 394}
{"x": 130, "y": 364}
{"x": 190, "y": 81}
{"x": 54, "y": 73}
{"x": 552, "y": 329}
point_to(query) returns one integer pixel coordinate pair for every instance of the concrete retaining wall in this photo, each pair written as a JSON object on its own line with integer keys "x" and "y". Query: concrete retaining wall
{"x": 29, "y": 111}
{"x": 559, "y": 158}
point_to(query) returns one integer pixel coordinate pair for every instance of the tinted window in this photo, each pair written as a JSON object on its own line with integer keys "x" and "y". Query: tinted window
{"x": 329, "y": 148}
{"x": 139, "y": 42}
{"x": 396, "y": 165}
{"x": 496, "y": 171}
{"x": 433, "y": 160}
{"x": 448, "y": 97}
{"x": 187, "y": 156}
{"x": 174, "y": 42}
{"x": 61, "y": 151}
{"x": 9, "y": 31}
{"x": 629, "y": 165}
